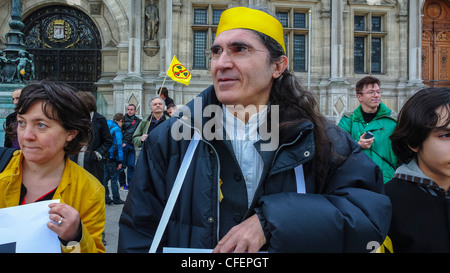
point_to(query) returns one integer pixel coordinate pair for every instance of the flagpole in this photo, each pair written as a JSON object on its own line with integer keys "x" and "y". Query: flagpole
{"x": 164, "y": 81}
{"x": 159, "y": 91}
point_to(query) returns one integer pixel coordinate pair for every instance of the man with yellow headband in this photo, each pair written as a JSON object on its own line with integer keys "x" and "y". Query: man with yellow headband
{"x": 269, "y": 173}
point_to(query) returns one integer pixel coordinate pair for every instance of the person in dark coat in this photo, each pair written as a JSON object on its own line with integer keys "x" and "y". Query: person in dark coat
{"x": 262, "y": 177}
{"x": 94, "y": 157}
{"x": 129, "y": 153}
{"x": 164, "y": 94}
{"x": 10, "y": 125}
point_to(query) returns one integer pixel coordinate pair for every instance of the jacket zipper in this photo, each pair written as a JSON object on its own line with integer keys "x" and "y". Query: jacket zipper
{"x": 217, "y": 181}
{"x": 218, "y": 190}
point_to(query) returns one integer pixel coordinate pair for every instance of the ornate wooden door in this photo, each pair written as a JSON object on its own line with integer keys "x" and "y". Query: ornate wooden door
{"x": 436, "y": 43}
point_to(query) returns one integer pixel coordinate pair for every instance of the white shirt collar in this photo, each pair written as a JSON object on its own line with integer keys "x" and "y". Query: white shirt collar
{"x": 238, "y": 130}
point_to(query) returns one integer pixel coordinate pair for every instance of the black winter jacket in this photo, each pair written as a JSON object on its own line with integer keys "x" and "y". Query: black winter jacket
{"x": 129, "y": 127}
{"x": 101, "y": 142}
{"x": 343, "y": 215}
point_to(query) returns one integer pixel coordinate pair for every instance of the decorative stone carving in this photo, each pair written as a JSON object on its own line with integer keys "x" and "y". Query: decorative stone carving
{"x": 151, "y": 21}
{"x": 151, "y": 46}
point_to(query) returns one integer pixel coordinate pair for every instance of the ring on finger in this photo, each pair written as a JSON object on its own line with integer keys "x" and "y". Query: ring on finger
{"x": 60, "y": 221}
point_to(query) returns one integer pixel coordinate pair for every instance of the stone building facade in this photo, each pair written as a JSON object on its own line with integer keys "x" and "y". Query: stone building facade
{"x": 124, "y": 47}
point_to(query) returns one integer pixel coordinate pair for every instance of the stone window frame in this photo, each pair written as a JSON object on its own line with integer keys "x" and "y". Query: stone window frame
{"x": 368, "y": 34}
{"x": 204, "y": 30}
{"x": 290, "y": 31}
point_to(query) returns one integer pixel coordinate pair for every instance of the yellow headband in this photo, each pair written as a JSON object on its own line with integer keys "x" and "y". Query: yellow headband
{"x": 242, "y": 17}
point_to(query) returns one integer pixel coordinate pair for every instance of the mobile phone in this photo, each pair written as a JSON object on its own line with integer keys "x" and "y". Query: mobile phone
{"x": 368, "y": 135}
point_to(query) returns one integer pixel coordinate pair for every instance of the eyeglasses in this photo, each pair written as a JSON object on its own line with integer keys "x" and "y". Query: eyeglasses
{"x": 233, "y": 51}
{"x": 372, "y": 93}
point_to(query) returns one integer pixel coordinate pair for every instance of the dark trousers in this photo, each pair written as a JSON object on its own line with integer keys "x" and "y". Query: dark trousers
{"x": 129, "y": 158}
{"x": 111, "y": 172}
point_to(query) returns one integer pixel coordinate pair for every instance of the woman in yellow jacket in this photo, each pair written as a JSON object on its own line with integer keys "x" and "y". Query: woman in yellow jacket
{"x": 53, "y": 123}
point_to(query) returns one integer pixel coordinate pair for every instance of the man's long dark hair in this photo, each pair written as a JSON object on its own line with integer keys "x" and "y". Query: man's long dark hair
{"x": 298, "y": 105}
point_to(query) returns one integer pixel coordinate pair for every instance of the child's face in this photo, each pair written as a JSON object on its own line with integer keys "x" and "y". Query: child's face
{"x": 434, "y": 155}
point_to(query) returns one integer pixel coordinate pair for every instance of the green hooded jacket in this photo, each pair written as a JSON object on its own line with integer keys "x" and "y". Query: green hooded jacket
{"x": 382, "y": 127}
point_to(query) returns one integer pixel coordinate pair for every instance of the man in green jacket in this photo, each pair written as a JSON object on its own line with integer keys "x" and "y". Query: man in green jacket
{"x": 371, "y": 125}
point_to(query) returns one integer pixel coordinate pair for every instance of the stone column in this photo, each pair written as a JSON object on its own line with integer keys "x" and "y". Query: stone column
{"x": 338, "y": 86}
{"x": 167, "y": 52}
{"x": 133, "y": 82}
{"x": 322, "y": 36}
{"x": 135, "y": 41}
{"x": 337, "y": 38}
{"x": 166, "y": 39}
{"x": 402, "y": 20}
{"x": 415, "y": 44}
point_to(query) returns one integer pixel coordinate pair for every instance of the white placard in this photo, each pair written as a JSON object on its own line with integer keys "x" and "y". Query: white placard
{"x": 23, "y": 229}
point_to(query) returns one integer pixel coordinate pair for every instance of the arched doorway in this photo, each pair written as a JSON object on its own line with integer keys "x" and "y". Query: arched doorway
{"x": 65, "y": 44}
{"x": 436, "y": 43}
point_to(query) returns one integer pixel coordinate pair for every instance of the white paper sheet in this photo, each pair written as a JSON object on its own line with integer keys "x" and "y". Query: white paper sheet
{"x": 26, "y": 226}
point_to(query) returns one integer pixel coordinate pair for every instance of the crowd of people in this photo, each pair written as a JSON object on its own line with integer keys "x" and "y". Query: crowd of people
{"x": 318, "y": 187}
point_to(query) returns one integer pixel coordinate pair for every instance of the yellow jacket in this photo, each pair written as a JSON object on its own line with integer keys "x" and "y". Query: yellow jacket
{"x": 78, "y": 189}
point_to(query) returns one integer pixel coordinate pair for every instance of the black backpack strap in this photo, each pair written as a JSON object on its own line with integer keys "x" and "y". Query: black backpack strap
{"x": 5, "y": 156}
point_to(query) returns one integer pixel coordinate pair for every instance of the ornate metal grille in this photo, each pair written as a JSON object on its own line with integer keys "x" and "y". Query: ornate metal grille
{"x": 65, "y": 44}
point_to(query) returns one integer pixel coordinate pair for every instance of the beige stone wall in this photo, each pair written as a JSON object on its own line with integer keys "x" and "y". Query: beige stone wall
{"x": 332, "y": 78}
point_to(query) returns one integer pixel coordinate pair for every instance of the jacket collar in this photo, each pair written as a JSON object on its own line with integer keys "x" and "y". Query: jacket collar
{"x": 383, "y": 111}
{"x": 14, "y": 175}
{"x": 412, "y": 169}
{"x": 194, "y": 109}
{"x": 412, "y": 173}
{"x": 66, "y": 180}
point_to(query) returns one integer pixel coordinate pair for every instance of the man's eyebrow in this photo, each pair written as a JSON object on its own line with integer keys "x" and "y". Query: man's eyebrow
{"x": 236, "y": 43}
{"x": 239, "y": 43}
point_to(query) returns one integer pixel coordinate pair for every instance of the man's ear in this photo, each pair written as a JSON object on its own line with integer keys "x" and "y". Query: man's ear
{"x": 280, "y": 66}
{"x": 358, "y": 95}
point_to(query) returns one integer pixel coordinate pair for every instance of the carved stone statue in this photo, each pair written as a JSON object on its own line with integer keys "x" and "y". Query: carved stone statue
{"x": 152, "y": 21}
